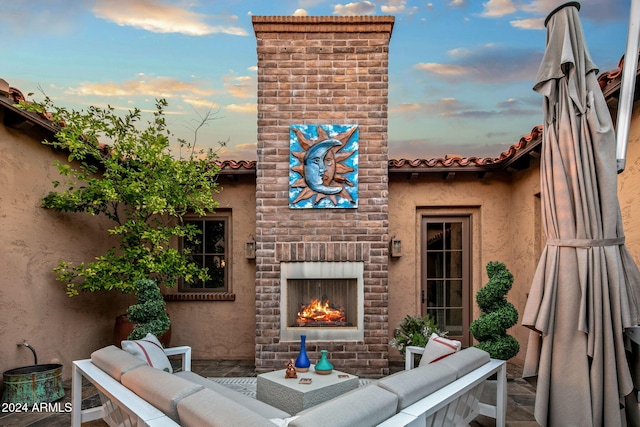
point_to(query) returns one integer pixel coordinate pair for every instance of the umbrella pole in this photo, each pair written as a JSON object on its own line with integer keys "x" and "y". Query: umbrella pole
{"x": 625, "y": 105}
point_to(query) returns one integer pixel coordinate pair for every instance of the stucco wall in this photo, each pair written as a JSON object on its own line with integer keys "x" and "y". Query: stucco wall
{"x": 503, "y": 214}
{"x": 33, "y": 306}
{"x": 225, "y": 329}
{"x": 629, "y": 188}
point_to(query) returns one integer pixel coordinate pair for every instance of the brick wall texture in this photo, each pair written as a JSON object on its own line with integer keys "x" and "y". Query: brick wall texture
{"x": 322, "y": 70}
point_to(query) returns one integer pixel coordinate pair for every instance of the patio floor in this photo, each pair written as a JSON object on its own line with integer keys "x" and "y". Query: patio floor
{"x": 521, "y": 397}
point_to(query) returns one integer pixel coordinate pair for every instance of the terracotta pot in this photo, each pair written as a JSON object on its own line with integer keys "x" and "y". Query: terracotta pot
{"x": 124, "y": 327}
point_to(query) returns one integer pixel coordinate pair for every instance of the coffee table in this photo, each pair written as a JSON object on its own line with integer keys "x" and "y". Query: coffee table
{"x": 289, "y": 395}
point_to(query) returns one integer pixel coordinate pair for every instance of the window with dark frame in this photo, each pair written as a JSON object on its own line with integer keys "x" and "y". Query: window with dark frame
{"x": 210, "y": 250}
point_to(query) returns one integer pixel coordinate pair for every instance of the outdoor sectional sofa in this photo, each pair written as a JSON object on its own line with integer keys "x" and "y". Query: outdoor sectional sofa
{"x": 443, "y": 393}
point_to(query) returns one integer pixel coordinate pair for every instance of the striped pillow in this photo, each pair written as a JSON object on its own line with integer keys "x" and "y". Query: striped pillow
{"x": 150, "y": 350}
{"x": 438, "y": 348}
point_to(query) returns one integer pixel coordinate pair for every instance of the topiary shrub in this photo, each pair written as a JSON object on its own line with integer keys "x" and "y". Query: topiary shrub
{"x": 498, "y": 314}
{"x": 149, "y": 314}
{"x": 414, "y": 330}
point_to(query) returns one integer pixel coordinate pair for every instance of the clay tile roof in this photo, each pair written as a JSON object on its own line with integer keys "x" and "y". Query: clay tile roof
{"x": 237, "y": 167}
{"x": 526, "y": 144}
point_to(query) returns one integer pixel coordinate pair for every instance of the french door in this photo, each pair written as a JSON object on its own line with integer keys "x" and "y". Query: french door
{"x": 445, "y": 273}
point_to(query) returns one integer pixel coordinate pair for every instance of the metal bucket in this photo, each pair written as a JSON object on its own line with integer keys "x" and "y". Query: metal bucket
{"x": 33, "y": 384}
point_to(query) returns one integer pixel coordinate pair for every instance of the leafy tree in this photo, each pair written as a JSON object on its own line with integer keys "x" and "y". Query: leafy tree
{"x": 127, "y": 173}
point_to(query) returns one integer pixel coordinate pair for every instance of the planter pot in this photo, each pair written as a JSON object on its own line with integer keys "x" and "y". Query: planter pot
{"x": 124, "y": 327}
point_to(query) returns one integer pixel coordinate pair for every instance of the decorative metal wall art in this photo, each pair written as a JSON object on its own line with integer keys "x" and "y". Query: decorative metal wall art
{"x": 323, "y": 166}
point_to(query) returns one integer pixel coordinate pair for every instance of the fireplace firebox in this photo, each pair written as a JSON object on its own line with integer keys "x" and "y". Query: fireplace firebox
{"x": 322, "y": 303}
{"x": 323, "y": 300}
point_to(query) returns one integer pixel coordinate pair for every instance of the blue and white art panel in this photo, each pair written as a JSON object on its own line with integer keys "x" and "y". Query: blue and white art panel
{"x": 323, "y": 166}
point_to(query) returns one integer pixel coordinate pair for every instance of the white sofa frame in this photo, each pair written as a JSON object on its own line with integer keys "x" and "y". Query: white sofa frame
{"x": 120, "y": 406}
{"x": 457, "y": 403}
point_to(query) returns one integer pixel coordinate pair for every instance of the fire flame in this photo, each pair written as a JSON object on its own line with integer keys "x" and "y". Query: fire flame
{"x": 318, "y": 311}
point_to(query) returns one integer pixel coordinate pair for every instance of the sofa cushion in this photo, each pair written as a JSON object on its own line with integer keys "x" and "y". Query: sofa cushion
{"x": 115, "y": 361}
{"x": 465, "y": 361}
{"x": 207, "y": 408}
{"x": 150, "y": 350}
{"x": 161, "y": 389}
{"x": 363, "y": 407}
{"x": 255, "y": 405}
{"x": 438, "y": 348}
{"x": 415, "y": 384}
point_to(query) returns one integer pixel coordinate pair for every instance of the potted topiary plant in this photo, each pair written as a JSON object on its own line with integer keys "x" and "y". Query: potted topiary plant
{"x": 498, "y": 314}
{"x": 149, "y": 314}
{"x": 136, "y": 182}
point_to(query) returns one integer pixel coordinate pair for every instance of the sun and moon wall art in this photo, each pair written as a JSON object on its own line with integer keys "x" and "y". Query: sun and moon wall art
{"x": 323, "y": 166}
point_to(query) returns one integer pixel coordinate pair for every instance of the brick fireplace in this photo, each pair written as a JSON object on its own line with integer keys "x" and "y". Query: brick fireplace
{"x": 321, "y": 72}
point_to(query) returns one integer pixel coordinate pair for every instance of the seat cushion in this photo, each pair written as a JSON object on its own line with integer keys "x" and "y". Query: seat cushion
{"x": 363, "y": 407}
{"x": 115, "y": 361}
{"x": 261, "y": 408}
{"x": 415, "y": 384}
{"x": 207, "y": 408}
{"x": 465, "y": 360}
{"x": 161, "y": 389}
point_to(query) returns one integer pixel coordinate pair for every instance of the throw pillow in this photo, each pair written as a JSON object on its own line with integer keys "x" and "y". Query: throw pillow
{"x": 438, "y": 348}
{"x": 150, "y": 350}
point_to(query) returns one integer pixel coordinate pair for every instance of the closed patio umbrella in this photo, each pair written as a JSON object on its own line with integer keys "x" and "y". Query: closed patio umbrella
{"x": 586, "y": 288}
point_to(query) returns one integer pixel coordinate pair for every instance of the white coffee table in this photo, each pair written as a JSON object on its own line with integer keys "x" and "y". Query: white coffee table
{"x": 292, "y": 397}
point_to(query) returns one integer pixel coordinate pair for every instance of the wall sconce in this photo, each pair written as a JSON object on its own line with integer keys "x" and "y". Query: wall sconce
{"x": 395, "y": 247}
{"x": 250, "y": 249}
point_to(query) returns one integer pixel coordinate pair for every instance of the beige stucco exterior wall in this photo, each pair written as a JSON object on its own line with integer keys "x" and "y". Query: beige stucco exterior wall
{"x": 225, "y": 329}
{"x": 629, "y": 188}
{"x": 33, "y": 306}
{"x": 500, "y": 208}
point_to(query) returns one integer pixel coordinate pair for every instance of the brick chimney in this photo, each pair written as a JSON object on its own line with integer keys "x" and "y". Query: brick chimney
{"x": 322, "y": 71}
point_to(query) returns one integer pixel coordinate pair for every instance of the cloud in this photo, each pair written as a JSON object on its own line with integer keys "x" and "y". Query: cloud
{"x": 394, "y": 6}
{"x": 241, "y": 86}
{"x": 300, "y": 12}
{"x": 158, "y": 17}
{"x": 528, "y": 24}
{"x": 243, "y": 108}
{"x": 200, "y": 103}
{"x": 442, "y": 107}
{"x": 487, "y": 64}
{"x": 359, "y": 8}
{"x": 454, "y": 108}
{"x": 239, "y": 152}
{"x": 158, "y": 87}
{"x": 498, "y": 8}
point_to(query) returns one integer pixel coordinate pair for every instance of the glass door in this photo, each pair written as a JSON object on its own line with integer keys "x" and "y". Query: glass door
{"x": 445, "y": 272}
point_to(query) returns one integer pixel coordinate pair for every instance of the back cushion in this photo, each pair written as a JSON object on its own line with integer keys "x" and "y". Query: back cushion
{"x": 161, "y": 389}
{"x": 363, "y": 407}
{"x": 411, "y": 386}
{"x": 465, "y": 360}
{"x": 207, "y": 408}
{"x": 115, "y": 361}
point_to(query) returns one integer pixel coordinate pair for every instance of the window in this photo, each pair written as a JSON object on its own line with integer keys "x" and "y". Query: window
{"x": 211, "y": 251}
{"x": 446, "y": 274}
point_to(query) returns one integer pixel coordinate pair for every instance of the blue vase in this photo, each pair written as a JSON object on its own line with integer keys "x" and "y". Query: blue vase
{"x": 323, "y": 366}
{"x": 302, "y": 362}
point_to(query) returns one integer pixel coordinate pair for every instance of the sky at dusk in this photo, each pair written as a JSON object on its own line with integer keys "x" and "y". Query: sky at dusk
{"x": 460, "y": 71}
